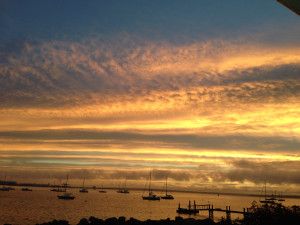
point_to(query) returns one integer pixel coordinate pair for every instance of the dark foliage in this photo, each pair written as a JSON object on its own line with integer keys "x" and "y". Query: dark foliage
{"x": 275, "y": 214}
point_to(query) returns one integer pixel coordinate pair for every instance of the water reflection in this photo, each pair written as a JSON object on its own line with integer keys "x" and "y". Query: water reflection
{"x": 42, "y": 205}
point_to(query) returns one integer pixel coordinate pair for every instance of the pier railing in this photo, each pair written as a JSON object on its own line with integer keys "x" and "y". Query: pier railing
{"x": 210, "y": 208}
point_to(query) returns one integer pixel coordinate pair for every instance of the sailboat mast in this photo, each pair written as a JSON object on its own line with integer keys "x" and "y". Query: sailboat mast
{"x": 265, "y": 189}
{"x": 4, "y": 180}
{"x": 166, "y": 185}
{"x": 150, "y": 183}
{"x": 66, "y": 184}
{"x": 125, "y": 184}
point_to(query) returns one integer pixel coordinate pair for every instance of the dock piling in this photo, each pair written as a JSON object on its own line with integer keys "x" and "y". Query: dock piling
{"x": 211, "y": 209}
{"x": 228, "y": 213}
{"x": 211, "y": 212}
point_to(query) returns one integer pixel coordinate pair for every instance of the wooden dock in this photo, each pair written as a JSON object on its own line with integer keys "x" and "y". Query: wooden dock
{"x": 193, "y": 209}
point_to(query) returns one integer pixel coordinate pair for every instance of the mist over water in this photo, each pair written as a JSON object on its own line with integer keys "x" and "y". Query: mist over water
{"x": 42, "y": 205}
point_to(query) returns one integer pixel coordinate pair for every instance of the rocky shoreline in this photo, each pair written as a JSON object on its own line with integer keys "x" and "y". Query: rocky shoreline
{"x": 132, "y": 221}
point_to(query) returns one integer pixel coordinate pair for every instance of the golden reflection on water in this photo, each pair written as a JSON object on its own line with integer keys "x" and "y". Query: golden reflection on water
{"x": 42, "y": 205}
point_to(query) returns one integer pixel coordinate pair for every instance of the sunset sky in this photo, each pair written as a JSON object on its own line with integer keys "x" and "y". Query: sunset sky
{"x": 204, "y": 92}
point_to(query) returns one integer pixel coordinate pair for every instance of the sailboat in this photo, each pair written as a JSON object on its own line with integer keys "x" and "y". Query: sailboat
{"x": 150, "y": 196}
{"x": 9, "y": 187}
{"x": 281, "y": 199}
{"x": 4, "y": 188}
{"x": 26, "y": 189}
{"x": 267, "y": 200}
{"x": 167, "y": 196}
{"x": 57, "y": 189}
{"x": 66, "y": 195}
{"x": 83, "y": 190}
{"x": 272, "y": 197}
{"x": 123, "y": 189}
{"x": 102, "y": 190}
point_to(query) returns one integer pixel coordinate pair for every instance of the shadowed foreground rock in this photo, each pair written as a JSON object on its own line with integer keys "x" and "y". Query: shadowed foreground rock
{"x": 122, "y": 221}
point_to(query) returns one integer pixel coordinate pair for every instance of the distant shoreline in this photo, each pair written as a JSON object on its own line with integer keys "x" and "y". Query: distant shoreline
{"x": 139, "y": 189}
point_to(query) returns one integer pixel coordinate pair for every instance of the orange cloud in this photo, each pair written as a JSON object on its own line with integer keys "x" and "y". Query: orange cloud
{"x": 217, "y": 99}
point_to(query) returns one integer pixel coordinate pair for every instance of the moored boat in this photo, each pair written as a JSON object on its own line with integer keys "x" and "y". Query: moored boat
{"x": 150, "y": 196}
{"x": 26, "y": 189}
{"x": 83, "y": 189}
{"x": 57, "y": 188}
{"x": 267, "y": 200}
{"x": 281, "y": 199}
{"x": 167, "y": 196}
{"x": 102, "y": 190}
{"x": 123, "y": 189}
{"x": 4, "y": 188}
{"x": 66, "y": 196}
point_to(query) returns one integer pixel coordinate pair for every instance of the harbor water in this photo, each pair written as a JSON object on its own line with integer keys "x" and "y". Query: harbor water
{"x": 42, "y": 205}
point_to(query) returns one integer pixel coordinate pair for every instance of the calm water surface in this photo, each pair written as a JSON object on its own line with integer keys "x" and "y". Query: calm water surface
{"x": 42, "y": 205}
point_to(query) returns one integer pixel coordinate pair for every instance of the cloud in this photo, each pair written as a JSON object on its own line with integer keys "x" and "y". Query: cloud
{"x": 101, "y": 109}
{"x": 94, "y": 71}
{"x": 214, "y": 172}
{"x": 209, "y": 87}
{"x": 101, "y": 174}
{"x": 259, "y": 171}
{"x": 12, "y": 48}
{"x": 175, "y": 175}
{"x": 132, "y": 139}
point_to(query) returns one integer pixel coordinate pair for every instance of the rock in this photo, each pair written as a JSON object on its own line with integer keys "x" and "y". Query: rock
{"x": 111, "y": 221}
{"x": 95, "y": 221}
{"x": 122, "y": 220}
{"x": 83, "y": 221}
{"x": 56, "y": 222}
{"x": 178, "y": 218}
{"x": 207, "y": 221}
{"x": 133, "y": 221}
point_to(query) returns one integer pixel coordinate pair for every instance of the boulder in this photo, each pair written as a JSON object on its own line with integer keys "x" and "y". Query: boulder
{"x": 83, "y": 221}
{"x": 95, "y": 221}
{"x": 111, "y": 221}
